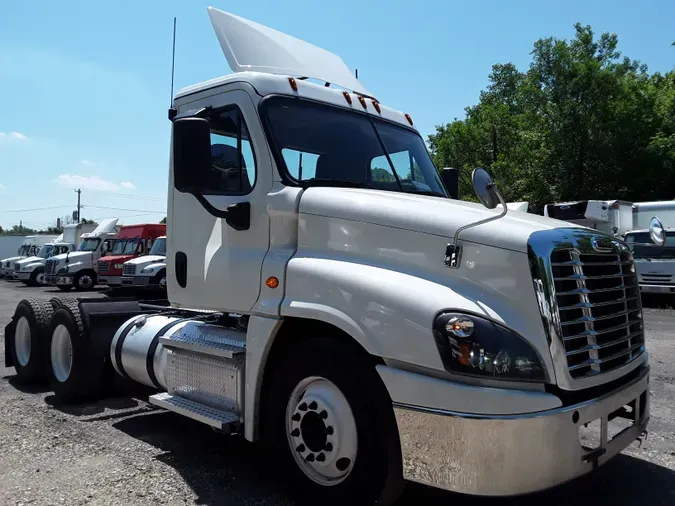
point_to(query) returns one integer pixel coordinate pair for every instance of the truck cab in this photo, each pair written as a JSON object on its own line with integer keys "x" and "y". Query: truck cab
{"x": 76, "y": 269}
{"x": 30, "y": 271}
{"x": 330, "y": 299}
{"x": 148, "y": 271}
{"x": 613, "y": 217}
{"x": 655, "y": 267}
{"x": 133, "y": 241}
{"x": 30, "y": 247}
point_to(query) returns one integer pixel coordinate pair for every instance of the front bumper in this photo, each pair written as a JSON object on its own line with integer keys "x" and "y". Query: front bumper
{"x": 110, "y": 280}
{"x": 657, "y": 288}
{"x": 506, "y": 455}
{"x": 63, "y": 280}
{"x": 136, "y": 280}
{"x": 22, "y": 275}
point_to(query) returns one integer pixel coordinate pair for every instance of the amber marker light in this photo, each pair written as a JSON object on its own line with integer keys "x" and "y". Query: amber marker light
{"x": 272, "y": 282}
{"x": 294, "y": 84}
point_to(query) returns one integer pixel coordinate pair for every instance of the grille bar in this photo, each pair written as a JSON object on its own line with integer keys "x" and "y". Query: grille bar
{"x": 597, "y": 304}
{"x": 579, "y": 262}
{"x": 609, "y": 344}
{"x": 593, "y": 361}
{"x": 587, "y": 333}
{"x": 583, "y": 277}
{"x": 580, "y": 291}
{"x": 585, "y": 319}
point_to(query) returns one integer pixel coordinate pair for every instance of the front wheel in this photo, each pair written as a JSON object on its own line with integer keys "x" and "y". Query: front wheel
{"x": 36, "y": 277}
{"x": 84, "y": 281}
{"x": 331, "y": 425}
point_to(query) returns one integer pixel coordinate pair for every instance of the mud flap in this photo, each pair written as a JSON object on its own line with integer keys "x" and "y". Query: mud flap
{"x": 9, "y": 342}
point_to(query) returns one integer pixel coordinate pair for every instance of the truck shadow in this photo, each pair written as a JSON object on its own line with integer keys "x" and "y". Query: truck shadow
{"x": 227, "y": 470}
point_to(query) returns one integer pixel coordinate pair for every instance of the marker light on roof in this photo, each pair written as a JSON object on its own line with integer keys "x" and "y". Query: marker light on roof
{"x": 294, "y": 84}
{"x": 348, "y": 97}
{"x": 363, "y": 102}
{"x": 407, "y": 116}
{"x": 376, "y": 105}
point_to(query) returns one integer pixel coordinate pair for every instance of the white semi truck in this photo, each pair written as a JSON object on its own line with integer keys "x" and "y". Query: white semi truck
{"x": 31, "y": 270}
{"x": 76, "y": 269}
{"x": 147, "y": 271}
{"x": 31, "y": 245}
{"x": 614, "y": 217}
{"x": 345, "y": 311}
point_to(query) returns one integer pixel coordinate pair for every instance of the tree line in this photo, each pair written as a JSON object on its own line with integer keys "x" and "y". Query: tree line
{"x": 582, "y": 122}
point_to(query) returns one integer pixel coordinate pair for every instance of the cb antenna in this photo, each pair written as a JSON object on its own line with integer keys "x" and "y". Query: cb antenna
{"x": 173, "y": 60}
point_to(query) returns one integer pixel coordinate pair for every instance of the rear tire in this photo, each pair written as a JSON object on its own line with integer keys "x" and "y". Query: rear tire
{"x": 74, "y": 371}
{"x": 27, "y": 346}
{"x": 329, "y": 422}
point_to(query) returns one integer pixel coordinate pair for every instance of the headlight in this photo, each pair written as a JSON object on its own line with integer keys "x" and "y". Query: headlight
{"x": 118, "y": 266}
{"x": 474, "y": 346}
{"x": 148, "y": 270}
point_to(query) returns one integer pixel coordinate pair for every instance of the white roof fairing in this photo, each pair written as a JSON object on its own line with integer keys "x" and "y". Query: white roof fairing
{"x": 249, "y": 46}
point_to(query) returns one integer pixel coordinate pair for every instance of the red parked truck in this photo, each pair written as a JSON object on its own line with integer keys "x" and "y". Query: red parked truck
{"x": 133, "y": 241}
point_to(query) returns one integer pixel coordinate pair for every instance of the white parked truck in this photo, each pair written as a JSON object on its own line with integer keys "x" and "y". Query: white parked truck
{"x": 329, "y": 299}
{"x": 31, "y": 270}
{"x": 30, "y": 247}
{"x": 76, "y": 269}
{"x": 147, "y": 271}
{"x": 614, "y": 217}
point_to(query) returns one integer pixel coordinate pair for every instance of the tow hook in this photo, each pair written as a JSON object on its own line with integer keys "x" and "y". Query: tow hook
{"x": 643, "y": 436}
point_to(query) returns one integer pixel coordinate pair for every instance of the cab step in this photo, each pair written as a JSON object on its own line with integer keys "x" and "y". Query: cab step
{"x": 216, "y": 418}
{"x": 208, "y": 339}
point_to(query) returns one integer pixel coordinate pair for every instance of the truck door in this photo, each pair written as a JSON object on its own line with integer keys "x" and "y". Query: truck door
{"x": 218, "y": 230}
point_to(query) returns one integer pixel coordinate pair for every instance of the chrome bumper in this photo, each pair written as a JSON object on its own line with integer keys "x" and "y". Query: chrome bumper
{"x": 63, "y": 280}
{"x": 22, "y": 276}
{"x": 110, "y": 280}
{"x": 657, "y": 288}
{"x": 514, "y": 454}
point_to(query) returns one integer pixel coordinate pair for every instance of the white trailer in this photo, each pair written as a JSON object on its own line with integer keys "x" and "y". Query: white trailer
{"x": 366, "y": 327}
{"x": 614, "y": 217}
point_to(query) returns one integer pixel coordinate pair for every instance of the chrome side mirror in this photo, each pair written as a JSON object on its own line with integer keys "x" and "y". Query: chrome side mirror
{"x": 485, "y": 188}
{"x": 656, "y": 232}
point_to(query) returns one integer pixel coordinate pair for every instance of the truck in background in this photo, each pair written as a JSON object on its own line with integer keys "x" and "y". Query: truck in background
{"x": 614, "y": 217}
{"x": 133, "y": 241}
{"x": 367, "y": 329}
{"x": 655, "y": 267}
{"x": 31, "y": 271}
{"x": 30, "y": 247}
{"x": 148, "y": 271}
{"x": 76, "y": 269}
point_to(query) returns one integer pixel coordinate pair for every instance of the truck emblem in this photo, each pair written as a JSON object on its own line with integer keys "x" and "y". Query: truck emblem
{"x": 602, "y": 244}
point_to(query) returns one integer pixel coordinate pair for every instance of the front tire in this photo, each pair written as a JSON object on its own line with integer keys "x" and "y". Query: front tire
{"x": 36, "y": 277}
{"x": 74, "y": 371}
{"x": 329, "y": 421}
{"x": 27, "y": 348}
{"x": 84, "y": 281}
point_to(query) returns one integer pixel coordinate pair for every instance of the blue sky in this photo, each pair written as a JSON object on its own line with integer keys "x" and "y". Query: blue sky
{"x": 85, "y": 84}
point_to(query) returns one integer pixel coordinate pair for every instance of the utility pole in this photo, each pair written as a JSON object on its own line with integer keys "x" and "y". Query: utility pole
{"x": 78, "y": 191}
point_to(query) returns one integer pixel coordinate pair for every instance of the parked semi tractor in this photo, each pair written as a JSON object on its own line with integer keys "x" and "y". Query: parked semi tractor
{"x": 367, "y": 328}
{"x": 133, "y": 241}
{"x": 30, "y": 247}
{"x": 31, "y": 270}
{"x": 76, "y": 269}
{"x": 148, "y": 271}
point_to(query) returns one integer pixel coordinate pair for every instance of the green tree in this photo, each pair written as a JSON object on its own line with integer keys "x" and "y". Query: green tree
{"x": 163, "y": 220}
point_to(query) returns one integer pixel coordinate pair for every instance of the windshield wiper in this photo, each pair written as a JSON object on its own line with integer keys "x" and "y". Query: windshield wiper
{"x": 327, "y": 181}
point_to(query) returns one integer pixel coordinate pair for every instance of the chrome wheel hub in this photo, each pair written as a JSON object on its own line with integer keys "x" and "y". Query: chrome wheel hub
{"x": 85, "y": 281}
{"x": 40, "y": 278}
{"x": 321, "y": 431}
{"x": 61, "y": 353}
{"x": 22, "y": 341}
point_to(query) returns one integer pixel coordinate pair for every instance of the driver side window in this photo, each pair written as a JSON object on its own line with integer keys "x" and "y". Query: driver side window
{"x": 233, "y": 169}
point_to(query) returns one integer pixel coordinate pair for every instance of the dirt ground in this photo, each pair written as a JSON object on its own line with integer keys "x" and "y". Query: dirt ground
{"x": 122, "y": 451}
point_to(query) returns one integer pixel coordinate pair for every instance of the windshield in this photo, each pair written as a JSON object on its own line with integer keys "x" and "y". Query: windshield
{"x": 319, "y": 143}
{"x": 23, "y": 250}
{"x": 119, "y": 247}
{"x": 130, "y": 246}
{"x": 59, "y": 250}
{"x": 159, "y": 248}
{"x": 89, "y": 244}
{"x": 46, "y": 251}
{"x": 668, "y": 251}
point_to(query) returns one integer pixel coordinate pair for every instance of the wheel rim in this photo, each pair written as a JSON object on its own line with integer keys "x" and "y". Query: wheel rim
{"x": 22, "y": 341}
{"x": 321, "y": 431}
{"x": 61, "y": 353}
{"x": 85, "y": 281}
{"x": 40, "y": 278}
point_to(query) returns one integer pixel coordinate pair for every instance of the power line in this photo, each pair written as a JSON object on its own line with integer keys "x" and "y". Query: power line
{"x": 140, "y": 197}
{"x": 35, "y": 209}
{"x": 149, "y": 211}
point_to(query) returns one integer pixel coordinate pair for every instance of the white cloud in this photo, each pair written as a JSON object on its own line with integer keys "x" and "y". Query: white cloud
{"x": 2, "y": 188}
{"x": 87, "y": 163}
{"x": 17, "y": 136}
{"x": 91, "y": 183}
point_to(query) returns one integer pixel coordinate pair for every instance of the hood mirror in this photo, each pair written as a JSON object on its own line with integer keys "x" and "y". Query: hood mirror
{"x": 656, "y": 232}
{"x": 485, "y": 188}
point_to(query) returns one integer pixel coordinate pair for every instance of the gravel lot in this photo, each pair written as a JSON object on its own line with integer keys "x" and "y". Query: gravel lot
{"x": 122, "y": 451}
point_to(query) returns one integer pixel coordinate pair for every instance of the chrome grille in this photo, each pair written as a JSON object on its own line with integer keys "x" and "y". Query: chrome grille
{"x": 17, "y": 267}
{"x": 103, "y": 266}
{"x": 129, "y": 270}
{"x": 656, "y": 278}
{"x": 50, "y": 266}
{"x": 599, "y": 310}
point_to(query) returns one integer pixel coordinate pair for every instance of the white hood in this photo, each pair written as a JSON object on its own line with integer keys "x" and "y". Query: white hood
{"x": 146, "y": 260}
{"x": 75, "y": 256}
{"x": 30, "y": 260}
{"x": 430, "y": 215}
{"x": 10, "y": 259}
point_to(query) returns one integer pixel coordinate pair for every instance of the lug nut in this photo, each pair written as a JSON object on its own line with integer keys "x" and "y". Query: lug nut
{"x": 302, "y": 407}
{"x": 329, "y": 430}
{"x": 313, "y": 405}
{"x": 320, "y": 457}
{"x": 295, "y": 433}
{"x": 324, "y": 414}
{"x": 300, "y": 448}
